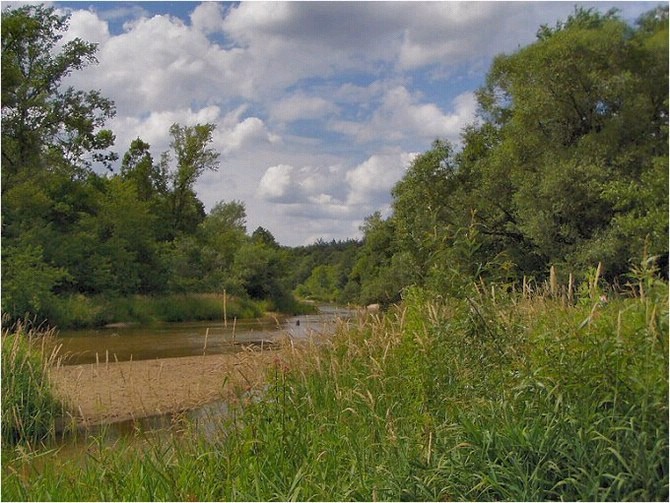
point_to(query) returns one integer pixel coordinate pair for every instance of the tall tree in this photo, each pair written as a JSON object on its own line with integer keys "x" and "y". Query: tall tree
{"x": 582, "y": 122}
{"x": 138, "y": 167}
{"x": 43, "y": 125}
{"x": 193, "y": 156}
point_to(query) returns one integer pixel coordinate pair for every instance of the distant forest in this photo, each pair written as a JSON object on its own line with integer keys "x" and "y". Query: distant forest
{"x": 567, "y": 166}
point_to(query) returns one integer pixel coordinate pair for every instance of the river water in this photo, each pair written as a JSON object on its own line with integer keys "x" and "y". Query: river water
{"x": 169, "y": 340}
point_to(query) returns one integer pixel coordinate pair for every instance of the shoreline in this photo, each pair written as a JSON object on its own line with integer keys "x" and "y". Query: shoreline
{"x": 104, "y": 393}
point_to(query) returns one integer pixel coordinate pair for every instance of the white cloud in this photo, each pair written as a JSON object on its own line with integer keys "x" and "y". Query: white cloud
{"x": 371, "y": 181}
{"x": 300, "y": 106}
{"x": 250, "y": 131}
{"x": 275, "y": 184}
{"x": 401, "y": 115}
{"x": 87, "y": 26}
{"x": 207, "y": 17}
{"x": 158, "y": 64}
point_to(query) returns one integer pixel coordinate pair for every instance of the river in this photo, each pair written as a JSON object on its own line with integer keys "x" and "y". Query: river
{"x": 170, "y": 340}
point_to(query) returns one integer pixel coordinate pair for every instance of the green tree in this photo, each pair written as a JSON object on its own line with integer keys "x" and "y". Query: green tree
{"x": 582, "y": 113}
{"x": 321, "y": 284}
{"x": 382, "y": 270}
{"x": 138, "y": 167}
{"x": 221, "y": 235}
{"x": 192, "y": 157}
{"x": 28, "y": 282}
{"x": 261, "y": 271}
{"x": 262, "y": 235}
{"x": 43, "y": 125}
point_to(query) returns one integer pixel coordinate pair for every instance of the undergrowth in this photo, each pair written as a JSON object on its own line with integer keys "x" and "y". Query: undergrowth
{"x": 497, "y": 395}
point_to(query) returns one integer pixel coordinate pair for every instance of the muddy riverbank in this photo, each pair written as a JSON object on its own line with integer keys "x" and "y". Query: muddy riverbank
{"x": 120, "y": 391}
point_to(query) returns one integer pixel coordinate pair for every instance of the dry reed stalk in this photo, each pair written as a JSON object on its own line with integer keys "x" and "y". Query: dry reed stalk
{"x": 553, "y": 282}
{"x": 571, "y": 287}
{"x": 525, "y": 288}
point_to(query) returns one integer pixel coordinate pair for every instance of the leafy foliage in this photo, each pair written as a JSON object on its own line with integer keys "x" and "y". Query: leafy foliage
{"x": 567, "y": 166}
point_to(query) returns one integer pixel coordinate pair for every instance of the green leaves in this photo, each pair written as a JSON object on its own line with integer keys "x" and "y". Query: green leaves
{"x": 568, "y": 166}
{"x": 43, "y": 124}
{"x": 27, "y": 281}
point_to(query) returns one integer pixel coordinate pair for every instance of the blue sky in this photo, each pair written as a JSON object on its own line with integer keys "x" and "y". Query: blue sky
{"x": 320, "y": 107}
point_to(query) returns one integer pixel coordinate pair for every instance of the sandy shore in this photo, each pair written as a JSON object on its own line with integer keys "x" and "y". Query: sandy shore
{"x": 110, "y": 392}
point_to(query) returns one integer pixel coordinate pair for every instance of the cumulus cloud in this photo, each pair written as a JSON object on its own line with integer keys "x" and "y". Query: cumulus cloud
{"x": 251, "y": 131}
{"x": 300, "y": 106}
{"x": 275, "y": 184}
{"x": 157, "y": 64}
{"x": 287, "y": 184}
{"x": 87, "y": 26}
{"x": 334, "y": 191}
{"x": 401, "y": 115}
{"x": 207, "y": 17}
{"x": 370, "y": 182}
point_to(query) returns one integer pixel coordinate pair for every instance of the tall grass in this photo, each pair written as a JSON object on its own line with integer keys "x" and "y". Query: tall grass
{"x": 29, "y": 408}
{"x": 495, "y": 396}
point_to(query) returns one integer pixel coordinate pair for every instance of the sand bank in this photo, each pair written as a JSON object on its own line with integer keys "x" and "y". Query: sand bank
{"x": 111, "y": 392}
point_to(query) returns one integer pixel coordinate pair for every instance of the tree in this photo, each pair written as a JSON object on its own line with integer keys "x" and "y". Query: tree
{"x": 221, "y": 235}
{"x": 27, "y": 282}
{"x": 321, "y": 284}
{"x": 264, "y": 236}
{"x": 192, "y": 157}
{"x": 138, "y": 167}
{"x": 382, "y": 269}
{"x": 43, "y": 125}
{"x": 581, "y": 114}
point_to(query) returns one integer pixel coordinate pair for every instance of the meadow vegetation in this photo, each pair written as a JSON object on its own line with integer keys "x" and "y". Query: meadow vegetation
{"x": 501, "y": 394}
{"x": 78, "y": 311}
{"x": 29, "y": 408}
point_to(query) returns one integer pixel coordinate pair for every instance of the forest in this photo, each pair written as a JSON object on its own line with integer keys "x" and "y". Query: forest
{"x": 566, "y": 167}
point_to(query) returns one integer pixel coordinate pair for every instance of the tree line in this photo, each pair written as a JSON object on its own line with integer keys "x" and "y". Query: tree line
{"x": 566, "y": 166}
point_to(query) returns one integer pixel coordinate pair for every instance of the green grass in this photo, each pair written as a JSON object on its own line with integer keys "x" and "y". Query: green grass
{"x": 489, "y": 397}
{"x": 79, "y": 311}
{"x": 29, "y": 409}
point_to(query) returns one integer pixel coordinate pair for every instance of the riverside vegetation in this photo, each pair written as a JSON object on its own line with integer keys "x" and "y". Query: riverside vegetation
{"x": 498, "y": 395}
{"x": 505, "y": 365}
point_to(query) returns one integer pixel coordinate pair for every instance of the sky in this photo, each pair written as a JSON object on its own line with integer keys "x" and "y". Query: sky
{"x": 319, "y": 107}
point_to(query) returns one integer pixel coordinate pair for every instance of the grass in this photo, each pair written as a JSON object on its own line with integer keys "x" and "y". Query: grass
{"x": 494, "y": 396}
{"x": 29, "y": 408}
{"x": 79, "y": 311}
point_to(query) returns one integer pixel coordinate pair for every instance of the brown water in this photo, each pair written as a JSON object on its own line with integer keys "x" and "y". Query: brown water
{"x": 169, "y": 340}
